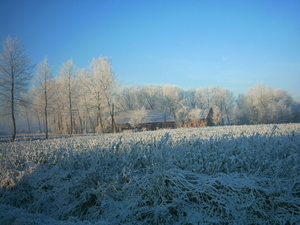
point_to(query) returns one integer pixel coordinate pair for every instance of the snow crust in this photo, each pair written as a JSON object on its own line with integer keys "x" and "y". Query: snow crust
{"x": 213, "y": 175}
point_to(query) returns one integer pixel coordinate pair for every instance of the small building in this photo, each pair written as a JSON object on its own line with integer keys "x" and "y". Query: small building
{"x": 198, "y": 118}
{"x": 143, "y": 120}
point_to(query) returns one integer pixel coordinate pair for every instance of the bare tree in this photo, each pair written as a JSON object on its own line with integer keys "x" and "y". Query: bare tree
{"x": 15, "y": 76}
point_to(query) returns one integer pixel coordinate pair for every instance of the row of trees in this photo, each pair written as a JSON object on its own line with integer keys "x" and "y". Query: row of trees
{"x": 84, "y": 100}
{"x": 77, "y": 101}
{"x": 259, "y": 105}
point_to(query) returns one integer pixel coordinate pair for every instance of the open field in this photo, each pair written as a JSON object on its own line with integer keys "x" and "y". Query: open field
{"x": 213, "y": 175}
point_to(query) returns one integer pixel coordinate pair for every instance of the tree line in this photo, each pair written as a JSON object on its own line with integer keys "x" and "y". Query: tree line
{"x": 79, "y": 101}
{"x": 259, "y": 105}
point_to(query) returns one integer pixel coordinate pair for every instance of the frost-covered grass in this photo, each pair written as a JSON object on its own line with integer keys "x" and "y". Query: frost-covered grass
{"x": 213, "y": 175}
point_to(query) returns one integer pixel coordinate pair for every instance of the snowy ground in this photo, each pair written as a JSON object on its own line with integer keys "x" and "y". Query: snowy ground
{"x": 213, "y": 175}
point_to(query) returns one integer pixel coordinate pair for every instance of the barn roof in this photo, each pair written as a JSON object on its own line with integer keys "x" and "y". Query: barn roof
{"x": 144, "y": 116}
{"x": 200, "y": 114}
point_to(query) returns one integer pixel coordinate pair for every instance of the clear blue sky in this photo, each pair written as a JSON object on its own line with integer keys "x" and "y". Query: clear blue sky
{"x": 235, "y": 44}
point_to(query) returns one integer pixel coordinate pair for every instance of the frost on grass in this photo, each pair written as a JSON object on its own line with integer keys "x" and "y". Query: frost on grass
{"x": 214, "y": 175}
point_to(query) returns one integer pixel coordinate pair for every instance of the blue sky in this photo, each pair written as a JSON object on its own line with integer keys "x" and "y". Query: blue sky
{"x": 191, "y": 44}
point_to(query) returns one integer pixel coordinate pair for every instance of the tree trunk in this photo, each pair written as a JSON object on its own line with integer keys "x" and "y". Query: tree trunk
{"x": 13, "y": 111}
{"x": 80, "y": 122}
{"x": 99, "y": 121}
{"x": 46, "y": 122}
{"x": 28, "y": 123}
{"x": 75, "y": 131}
{"x": 90, "y": 119}
{"x": 113, "y": 124}
{"x": 40, "y": 129}
{"x": 71, "y": 123}
{"x": 70, "y": 107}
{"x": 60, "y": 119}
{"x": 14, "y": 123}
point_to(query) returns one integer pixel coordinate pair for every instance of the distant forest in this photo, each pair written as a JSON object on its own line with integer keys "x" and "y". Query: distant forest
{"x": 80, "y": 101}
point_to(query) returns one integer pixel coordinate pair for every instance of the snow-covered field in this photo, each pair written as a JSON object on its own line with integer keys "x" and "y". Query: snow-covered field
{"x": 213, "y": 175}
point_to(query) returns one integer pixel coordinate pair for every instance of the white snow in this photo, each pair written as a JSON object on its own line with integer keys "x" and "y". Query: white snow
{"x": 213, "y": 175}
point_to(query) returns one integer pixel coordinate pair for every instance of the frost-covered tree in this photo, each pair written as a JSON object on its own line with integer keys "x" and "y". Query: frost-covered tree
{"x": 182, "y": 115}
{"x": 200, "y": 101}
{"x": 135, "y": 97}
{"x": 151, "y": 94}
{"x": 268, "y": 105}
{"x": 217, "y": 116}
{"x": 259, "y": 105}
{"x": 69, "y": 91}
{"x": 205, "y": 97}
{"x": 15, "y": 76}
{"x": 124, "y": 98}
{"x": 218, "y": 98}
{"x": 138, "y": 95}
{"x": 137, "y": 117}
{"x": 98, "y": 89}
{"x": 44, "y": 91}
{"x": 172, "y": 95}
{"x": 296, "y": 112}
{"x": 189, "y": 96}
{"x": 84, "y": 105}
{"x": 281, "y": 107}
{"x": 258, "y": 99}
{"x": 241, "y": 110}
{"x": 26, "y": 108}
{"x": 223, "y": 102}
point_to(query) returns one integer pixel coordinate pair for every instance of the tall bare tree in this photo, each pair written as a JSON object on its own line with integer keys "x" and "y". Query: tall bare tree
{"x": 15, "y": 76}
